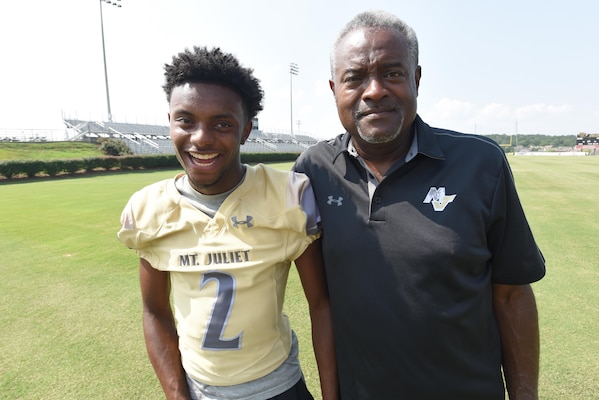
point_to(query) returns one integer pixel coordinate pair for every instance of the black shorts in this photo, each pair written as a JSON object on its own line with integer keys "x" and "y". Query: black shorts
{"x": 298, "y": 392}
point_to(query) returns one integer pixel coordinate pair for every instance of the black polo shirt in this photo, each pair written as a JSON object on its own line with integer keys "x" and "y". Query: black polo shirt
{"x": 410, "y": 268}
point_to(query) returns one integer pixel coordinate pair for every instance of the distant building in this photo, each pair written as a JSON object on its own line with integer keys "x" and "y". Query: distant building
{"x": 588, "y": 142}
{"x": 587, "y": 139}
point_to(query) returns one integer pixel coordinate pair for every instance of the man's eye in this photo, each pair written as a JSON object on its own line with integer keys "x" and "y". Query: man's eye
{"x": 352, "y": 78}
{"x": 396, "y": 74}
{"x": 183, "y": 120}
{"x": 223, "y": 125}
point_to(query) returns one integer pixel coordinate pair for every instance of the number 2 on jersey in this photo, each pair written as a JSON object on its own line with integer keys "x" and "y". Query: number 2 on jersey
{"x": 217, "y": 323}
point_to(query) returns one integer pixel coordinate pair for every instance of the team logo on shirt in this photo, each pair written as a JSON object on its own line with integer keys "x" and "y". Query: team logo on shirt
{"x": 338, "y": 201}
{"x": 438, "y": 198}
{"x": 247, "y": 222}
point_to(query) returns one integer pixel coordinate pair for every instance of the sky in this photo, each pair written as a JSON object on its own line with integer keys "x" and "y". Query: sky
{"x": 488, "y": 67}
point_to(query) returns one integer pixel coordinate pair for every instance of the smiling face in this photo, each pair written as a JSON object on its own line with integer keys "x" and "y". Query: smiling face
{"x": 207, "y": 125}
{"x": 375, "y": 86}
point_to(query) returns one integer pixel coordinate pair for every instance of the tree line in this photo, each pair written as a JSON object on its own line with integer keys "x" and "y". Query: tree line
{"x": 534, "y": 140}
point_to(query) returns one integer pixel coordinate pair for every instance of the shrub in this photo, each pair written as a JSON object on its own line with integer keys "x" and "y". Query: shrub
{"x": 163, "y": 161}
{"x": 114, "y": 147}
{"x": 109, "y": 163}
{"x": 8, "y": 169}
{"x": 252, "y": 158}
{"x": 32, "y": 168}
{"x": 132, "y": 162}
{"x": 53, "y": 167}
{"x": 74, "y": 165}
{"x": 89, "y": 164}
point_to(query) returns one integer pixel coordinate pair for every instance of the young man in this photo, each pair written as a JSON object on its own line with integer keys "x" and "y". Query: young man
{"x": 219, "y": 240}
{"x": 428, "y": 254}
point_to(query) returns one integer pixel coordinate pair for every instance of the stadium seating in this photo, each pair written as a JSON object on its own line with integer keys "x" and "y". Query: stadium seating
{"x": 155, "y": 139}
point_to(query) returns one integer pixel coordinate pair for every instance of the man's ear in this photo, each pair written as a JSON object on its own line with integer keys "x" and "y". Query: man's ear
{"x": 247, "y": 129}
{"x": 332, "y": 86}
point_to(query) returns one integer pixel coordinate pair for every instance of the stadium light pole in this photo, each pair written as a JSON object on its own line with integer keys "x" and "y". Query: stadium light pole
{"x": 293, "y": 70}
{"x": 116, "y": 3}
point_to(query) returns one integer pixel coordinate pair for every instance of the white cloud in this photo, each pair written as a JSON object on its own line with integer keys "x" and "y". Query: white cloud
{"x": 452, "y": 114}
{"x": 499, "y": 118}
{"x": 496, "y": 111}
{"x": 541, "y": 110}
{"x": 549, "y": 119}
{"x": 496, "y": 118}
{"x": 452, "y": 108}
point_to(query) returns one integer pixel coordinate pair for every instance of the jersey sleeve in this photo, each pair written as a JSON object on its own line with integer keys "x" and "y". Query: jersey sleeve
{"x": 129, "y": 234}
{"x": 300, "y": 192}
{"x": 147, "y": 216}
{"x": 516, "y": 257}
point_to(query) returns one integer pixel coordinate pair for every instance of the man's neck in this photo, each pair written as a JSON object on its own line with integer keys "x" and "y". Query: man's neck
{"x": 381, "y": 156}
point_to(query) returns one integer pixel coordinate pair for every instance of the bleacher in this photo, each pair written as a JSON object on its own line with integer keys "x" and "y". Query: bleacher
{"x": 155, "y": 139}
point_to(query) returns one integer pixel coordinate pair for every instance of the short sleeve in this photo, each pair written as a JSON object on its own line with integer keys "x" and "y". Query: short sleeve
{"x": 516, "y": 257}
{"x": 299, "y": 192}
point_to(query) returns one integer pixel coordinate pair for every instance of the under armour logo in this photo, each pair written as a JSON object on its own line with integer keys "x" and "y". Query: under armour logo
{"x": 331, "y": 200}
{"x": 438, "y": 198}
{"x": 247, "y": 222}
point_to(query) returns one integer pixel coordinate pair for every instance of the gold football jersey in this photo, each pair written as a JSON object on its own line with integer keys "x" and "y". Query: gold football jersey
{"x": 229, "y": 272}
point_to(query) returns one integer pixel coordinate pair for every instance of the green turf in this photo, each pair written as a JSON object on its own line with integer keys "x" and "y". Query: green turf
{"x": 48, "y": 150}
{"x": 70, "y": 312}
{"x": 559, "y": 196}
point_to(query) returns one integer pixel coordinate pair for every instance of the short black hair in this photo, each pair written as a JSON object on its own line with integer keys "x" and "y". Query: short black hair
{"x": 203, "y": 65}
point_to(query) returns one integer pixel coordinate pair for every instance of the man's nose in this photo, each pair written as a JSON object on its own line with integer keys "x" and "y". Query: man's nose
{"x": 201, "y": 136}
{"x": 375, "y": 88}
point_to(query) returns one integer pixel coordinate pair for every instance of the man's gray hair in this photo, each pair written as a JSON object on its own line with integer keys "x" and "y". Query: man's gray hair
{"x": 378, "y": 19}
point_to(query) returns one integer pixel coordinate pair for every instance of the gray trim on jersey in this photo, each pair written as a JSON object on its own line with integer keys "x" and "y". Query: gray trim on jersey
{"x": 300, "y": 192}
{"x": 206, "y": 203}
{"x": 277, "y": 382}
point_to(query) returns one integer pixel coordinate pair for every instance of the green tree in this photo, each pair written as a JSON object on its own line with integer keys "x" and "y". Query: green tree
{"x": 114, "y": 147}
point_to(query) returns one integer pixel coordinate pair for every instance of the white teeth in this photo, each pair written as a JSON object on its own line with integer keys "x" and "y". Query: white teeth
{"x": 203, "y": 156}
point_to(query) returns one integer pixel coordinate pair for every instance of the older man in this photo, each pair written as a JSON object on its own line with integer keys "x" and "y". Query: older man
{"x": 428, "y": 254}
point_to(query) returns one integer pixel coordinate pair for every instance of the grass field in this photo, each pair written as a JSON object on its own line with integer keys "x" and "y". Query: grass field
{"x": 70, "y": 312}
{"x": 48, "y": 151}
{"x": 559, "y": 195}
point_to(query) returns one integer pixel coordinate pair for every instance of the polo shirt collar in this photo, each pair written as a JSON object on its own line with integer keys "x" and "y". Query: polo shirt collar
{"x": 428, "y": 143}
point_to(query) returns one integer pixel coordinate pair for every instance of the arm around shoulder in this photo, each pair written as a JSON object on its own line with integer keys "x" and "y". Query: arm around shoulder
{"x": 516, "y": 313}
{"x": 310, "y": 267}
